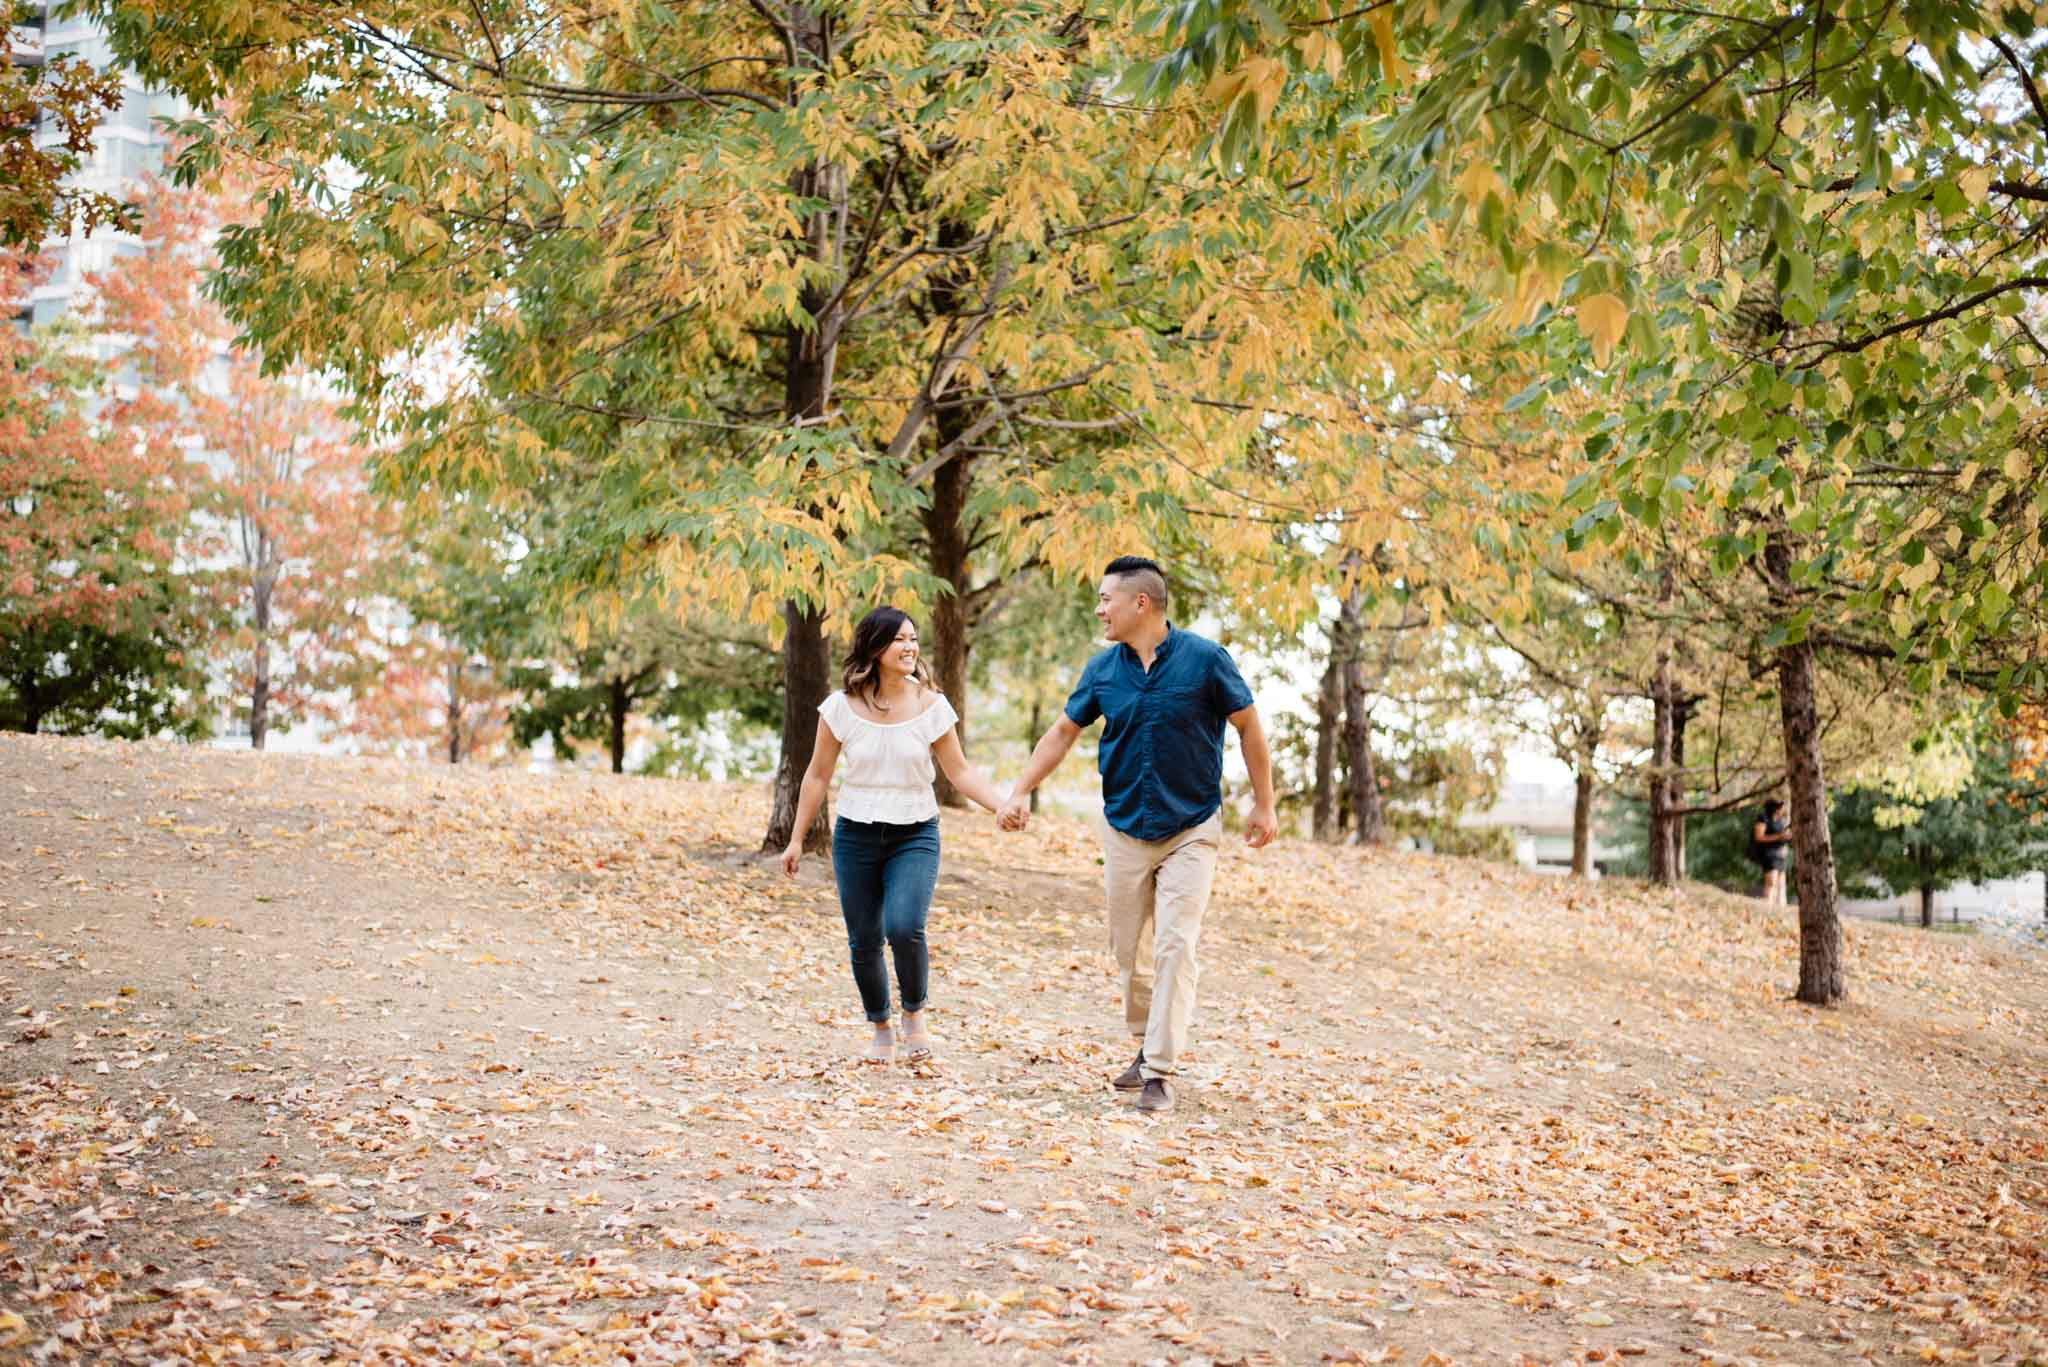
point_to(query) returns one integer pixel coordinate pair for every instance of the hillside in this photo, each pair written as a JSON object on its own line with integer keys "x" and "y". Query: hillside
{"x": 313, "y": 1058}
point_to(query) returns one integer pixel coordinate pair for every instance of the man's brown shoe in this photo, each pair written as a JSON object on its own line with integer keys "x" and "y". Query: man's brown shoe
{"x": 1157, "y": 1096}
{"x": 1133, "y": 1077}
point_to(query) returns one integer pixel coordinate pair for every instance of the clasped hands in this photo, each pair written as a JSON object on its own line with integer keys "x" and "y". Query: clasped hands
{"x": 1015, "y": 815}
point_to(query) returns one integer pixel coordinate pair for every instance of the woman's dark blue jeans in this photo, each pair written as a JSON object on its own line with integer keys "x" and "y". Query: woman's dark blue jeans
{"x": 886, "y": 873}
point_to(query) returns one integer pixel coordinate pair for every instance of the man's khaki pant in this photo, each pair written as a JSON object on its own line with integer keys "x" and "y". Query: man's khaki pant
{"x": 1157, "y": 891}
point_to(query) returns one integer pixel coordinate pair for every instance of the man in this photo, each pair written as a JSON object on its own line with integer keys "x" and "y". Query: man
{"x": 1164, "y": 695}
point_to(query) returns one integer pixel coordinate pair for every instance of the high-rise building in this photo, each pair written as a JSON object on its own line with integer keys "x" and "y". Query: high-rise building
{"x": 129, "y": 144}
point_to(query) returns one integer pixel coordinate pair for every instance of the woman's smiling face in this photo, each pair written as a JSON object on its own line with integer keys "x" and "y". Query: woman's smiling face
{"x": 901, "y": 656}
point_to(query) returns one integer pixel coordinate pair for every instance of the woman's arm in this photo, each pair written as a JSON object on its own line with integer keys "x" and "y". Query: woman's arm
{"x": 811, "y": 794}
{"x": 1051, "y": 749}
{"x": 965, "y": 776}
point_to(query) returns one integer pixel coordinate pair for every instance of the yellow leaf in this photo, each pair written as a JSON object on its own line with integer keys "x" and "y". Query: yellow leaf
{"x": 2017, "y": 466}
{"x": 1602, "y": 318}
{"x": 1920, "y": 575}
{"x": 1975, "y": 183}
{"x": 844, "y": 1274}
{"x": 1224, "y": 87}
{"x": 1478, "y": 180}
{"x": 1391, "y": 65}
{"x": 1320, "y": 50}
{"x": 1267, "y": 77}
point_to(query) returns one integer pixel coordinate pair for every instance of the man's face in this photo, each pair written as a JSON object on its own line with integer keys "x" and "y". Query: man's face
{"x": 1119, "y": 609}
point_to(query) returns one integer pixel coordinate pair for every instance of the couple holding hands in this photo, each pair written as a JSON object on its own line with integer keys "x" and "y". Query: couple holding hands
{"x": 1163, "y": 695}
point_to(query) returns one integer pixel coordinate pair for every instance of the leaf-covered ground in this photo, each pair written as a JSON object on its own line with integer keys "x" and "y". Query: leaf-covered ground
{"x": 314, "y": 1059}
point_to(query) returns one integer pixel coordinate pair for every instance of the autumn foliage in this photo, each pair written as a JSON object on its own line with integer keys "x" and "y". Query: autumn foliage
{"x": 300, "y": 553}
{"x": 98, "y": 628}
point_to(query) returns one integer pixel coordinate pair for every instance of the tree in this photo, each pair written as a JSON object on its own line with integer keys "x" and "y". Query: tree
{"x": 1791, "y": 252}
{"x": 771, "y": 278}
{"x": 101, "y": 628}
{"x": 590, "y": 674}
{"x": 40, "y": 95}
{"x": 284, "y": 498}
{"x": 1987, "y": 829}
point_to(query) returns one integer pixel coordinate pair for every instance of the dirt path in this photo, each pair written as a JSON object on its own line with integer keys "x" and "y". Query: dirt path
{"x": 321, "y": 1059}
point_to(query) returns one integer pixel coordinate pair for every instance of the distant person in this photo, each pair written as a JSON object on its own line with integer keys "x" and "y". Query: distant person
{"x": 889, "y": 722}
{"x": 1768, "y": 836}
{"x": 1164, "y": 695}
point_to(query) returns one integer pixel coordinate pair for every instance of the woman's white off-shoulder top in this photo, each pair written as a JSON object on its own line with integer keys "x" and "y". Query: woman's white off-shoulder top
{"x": 888, "y": 765}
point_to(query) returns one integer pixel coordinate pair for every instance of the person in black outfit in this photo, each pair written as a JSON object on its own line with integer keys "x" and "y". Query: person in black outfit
{"x": 1768, "y": 837}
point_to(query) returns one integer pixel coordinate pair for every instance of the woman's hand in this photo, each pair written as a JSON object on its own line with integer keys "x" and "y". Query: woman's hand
{"x": 792, "y": 857}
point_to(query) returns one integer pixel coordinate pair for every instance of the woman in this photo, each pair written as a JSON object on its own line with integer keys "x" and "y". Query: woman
{"x": 1768, "y": 836}
{"x": 889, "y": 721}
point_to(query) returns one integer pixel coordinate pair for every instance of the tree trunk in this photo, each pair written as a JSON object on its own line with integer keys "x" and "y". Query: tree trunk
{"x": 1926, "y": 908}
{"x": 1813, "y": 850}
{"x": 805, "y": 663}
{"x": 1664, "y": 867}
{"x": 1037, "y": 730}
{"x": 621, "y": 704}
{"x": 1674, "y": 783}
{"x": 259, "y": 689}
{"x": 1582, "y": 822}
{"x": 809, "y": 355}
{"x": 1329, "y": 720}
{"x": 455, "y": 711}
{"x": 1367, "y": 819}
{"x": 947, "y": 537}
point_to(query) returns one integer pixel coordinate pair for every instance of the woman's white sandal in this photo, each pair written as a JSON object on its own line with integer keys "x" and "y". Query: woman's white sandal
{"x": 917, "y": 1045}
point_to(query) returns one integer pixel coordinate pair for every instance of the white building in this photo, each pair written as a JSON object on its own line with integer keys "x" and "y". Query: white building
{"x": 1536, "y": 813}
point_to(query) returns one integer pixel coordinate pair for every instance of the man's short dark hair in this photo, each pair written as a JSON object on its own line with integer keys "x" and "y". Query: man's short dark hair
{"x": 1149, "y": 579}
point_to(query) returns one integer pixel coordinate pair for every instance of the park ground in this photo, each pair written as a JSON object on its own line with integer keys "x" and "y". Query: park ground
{"x": 311, "y": 1059}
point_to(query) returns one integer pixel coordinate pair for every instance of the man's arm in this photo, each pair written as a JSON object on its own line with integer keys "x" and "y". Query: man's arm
{"x": 1258, "y": 759}
{"x": 1052, "y": 747}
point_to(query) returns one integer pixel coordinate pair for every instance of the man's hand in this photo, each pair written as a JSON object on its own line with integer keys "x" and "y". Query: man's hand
{"x": 792, "y": 857}
{"x": 1016, "y": 813}
{"x": 1260, "y": 828}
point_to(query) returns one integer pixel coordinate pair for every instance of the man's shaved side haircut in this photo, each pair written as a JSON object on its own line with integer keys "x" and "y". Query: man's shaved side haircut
{"x": 1140, "y": 575}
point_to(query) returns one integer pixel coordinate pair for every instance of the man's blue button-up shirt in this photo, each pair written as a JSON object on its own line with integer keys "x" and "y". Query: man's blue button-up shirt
{"x": 1161, "y": 754}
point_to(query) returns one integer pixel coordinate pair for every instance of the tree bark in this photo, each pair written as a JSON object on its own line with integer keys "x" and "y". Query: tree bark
{"x": 1582, "y": 822}
{"x": 809, "y": 355}
{"x": 805, "y": 683}
{"x": 455, "y": 711}
{"x": 1674, "y": 783}
{"x": 1367, "y": 819}
{"x": 1664, "y": 867}
{"x": 1329, "y": 720}
{"x": 947, "y": 537}
{"x": 1813, "y": 850}
{"x": 1037, "y": 730}
{"x": 621, "y": 704}
{"x": 261, "y": 588}
{"x": 1926, "y": 908}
